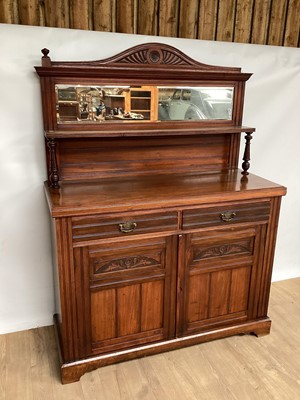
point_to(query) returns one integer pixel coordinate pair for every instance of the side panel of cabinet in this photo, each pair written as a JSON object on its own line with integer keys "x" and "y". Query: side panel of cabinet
{"x": 66, "y": 314}
{"x": 218, "y": 275}
{"x": 125, "y": 293}
{"x": 265, "y": 280}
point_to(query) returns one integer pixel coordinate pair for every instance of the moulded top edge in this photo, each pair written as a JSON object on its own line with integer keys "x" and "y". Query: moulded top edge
{"x": 126, "y": 132}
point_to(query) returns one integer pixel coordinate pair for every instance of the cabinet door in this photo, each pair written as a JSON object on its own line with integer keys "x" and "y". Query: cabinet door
{"x": 125, "y": 293}
{"x": 219, "y": 276}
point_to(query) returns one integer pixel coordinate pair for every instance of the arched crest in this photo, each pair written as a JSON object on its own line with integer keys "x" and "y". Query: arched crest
{"x": 148, "y": 54}
{"x": 159, "y": 54}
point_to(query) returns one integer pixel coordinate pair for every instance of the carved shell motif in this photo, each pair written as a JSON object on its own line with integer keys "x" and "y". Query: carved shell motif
{"x": 153, "y": 56}
{"x": 120, "y": 264}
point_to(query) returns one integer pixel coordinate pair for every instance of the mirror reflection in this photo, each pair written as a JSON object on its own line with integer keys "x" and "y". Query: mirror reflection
{"x": 82, "y": 104}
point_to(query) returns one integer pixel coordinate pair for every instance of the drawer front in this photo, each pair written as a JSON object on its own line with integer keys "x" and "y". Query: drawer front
{"x": 226, "y": 215}
{"x": 97, "y": 227}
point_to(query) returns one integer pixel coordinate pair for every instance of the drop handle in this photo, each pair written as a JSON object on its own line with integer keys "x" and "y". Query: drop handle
{"x": 227, "y": 216}
{"x": 127, "y": 227}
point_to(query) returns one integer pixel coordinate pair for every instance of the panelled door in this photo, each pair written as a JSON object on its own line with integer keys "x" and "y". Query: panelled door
{"x": 125, "y": 293}
{"x": 219, "y": 275}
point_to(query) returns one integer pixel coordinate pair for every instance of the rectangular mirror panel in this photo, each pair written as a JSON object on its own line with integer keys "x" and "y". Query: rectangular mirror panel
{"x": 94, "y": 104}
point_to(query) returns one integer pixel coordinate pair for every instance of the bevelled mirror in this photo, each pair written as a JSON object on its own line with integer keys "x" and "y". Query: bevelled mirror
{"x": 94, "y": 104}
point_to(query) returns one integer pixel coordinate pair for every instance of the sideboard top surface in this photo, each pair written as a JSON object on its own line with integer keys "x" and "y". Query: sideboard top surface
{"x": 157, "y": 192}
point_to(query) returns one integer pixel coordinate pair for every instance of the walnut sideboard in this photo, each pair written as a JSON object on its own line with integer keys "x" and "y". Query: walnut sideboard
{"x": 160, "y": 240}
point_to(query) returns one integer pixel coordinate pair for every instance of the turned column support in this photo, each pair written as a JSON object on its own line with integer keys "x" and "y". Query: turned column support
{"x": 53, "y": 170}
{"x": 246, "y": 157}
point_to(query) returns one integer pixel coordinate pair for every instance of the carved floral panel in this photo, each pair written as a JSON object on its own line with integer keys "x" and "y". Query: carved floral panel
{"x": 225, "y": 249}
{"x": 126, "y": 263}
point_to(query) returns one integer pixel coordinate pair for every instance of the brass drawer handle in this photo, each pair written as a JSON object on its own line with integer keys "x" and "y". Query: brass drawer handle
{"x": 227, "y": 216}
{"x": 127, "y": 227}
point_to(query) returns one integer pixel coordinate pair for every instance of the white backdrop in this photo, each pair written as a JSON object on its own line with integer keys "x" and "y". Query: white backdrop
{"x": 271, "y": 105}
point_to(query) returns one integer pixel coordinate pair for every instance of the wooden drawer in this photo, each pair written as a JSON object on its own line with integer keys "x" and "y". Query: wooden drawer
{"x": 97, "y": 227}
{"x": 226, "y": 215}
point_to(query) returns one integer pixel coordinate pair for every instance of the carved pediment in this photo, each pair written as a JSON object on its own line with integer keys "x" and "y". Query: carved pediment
{"x": 159, "y": 54}
{"x": 154, "y": 54}
{"x": 150, "y": 54}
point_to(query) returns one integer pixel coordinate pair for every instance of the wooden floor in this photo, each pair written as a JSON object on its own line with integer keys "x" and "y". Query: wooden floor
{"x": 240, "y": 367}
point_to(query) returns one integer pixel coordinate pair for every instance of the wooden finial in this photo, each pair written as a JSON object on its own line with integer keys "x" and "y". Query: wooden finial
{"x": 46, "y": 60}
{"x": 45, "y": 52}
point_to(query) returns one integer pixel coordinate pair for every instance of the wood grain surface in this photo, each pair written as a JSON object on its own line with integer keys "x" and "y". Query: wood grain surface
{"x": 152, "y": 192}
{"x": 244, "y": 21}
{"x": 229, "y": 369}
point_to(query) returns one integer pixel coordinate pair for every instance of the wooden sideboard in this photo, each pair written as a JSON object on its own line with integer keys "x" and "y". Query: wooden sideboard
{"x": 160, "y": 241}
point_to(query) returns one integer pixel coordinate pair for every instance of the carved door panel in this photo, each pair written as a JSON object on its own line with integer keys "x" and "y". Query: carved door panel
{"x": 125, "y": 293}
{"x": 219, "y": 276}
